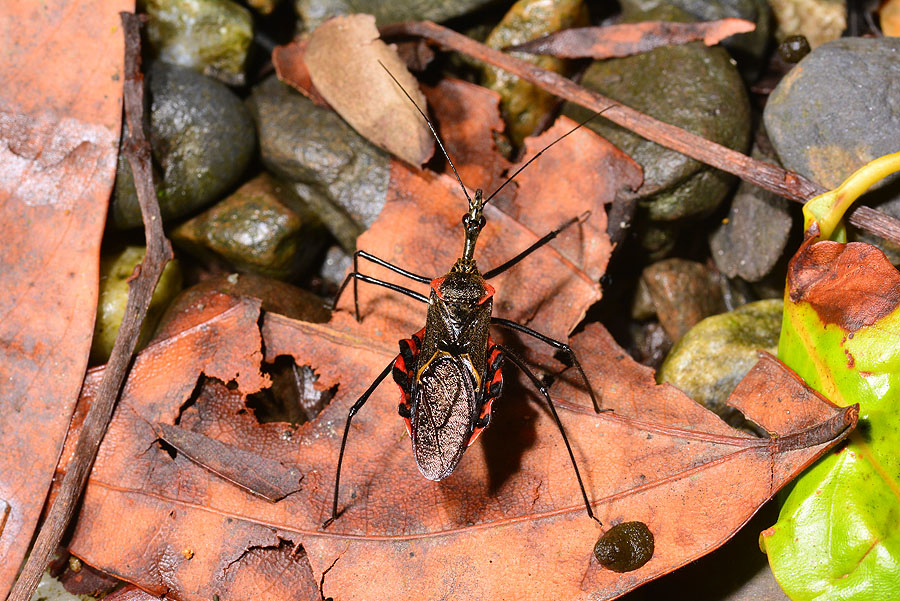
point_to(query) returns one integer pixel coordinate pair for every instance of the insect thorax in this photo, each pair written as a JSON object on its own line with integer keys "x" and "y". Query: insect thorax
{"x": 459, "y": 316}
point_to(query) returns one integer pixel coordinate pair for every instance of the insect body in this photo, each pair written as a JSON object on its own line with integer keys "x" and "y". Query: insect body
{"x": 449, "y": 372}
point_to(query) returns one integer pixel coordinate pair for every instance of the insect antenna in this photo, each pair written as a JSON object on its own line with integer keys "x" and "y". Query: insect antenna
{"x": 433, "y": 132}
{"x": 545, "y": 149}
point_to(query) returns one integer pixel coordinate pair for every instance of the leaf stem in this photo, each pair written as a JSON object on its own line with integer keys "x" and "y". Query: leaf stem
{"x": 828, "y": 209}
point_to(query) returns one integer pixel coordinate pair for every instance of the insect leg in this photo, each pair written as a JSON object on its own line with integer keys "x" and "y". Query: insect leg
{"x": 355, "y": 275}
{"x": 543, "y": 390}
{"x": 550, "y": 236}
{"x": 505, "y": 323}
{"x": 356, "y": 407}
{"x": 378, "y": 261}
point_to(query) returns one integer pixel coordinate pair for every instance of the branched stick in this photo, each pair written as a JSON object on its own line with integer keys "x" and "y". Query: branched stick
{"x": 788, "y": 184}
{"x": 141, "y": 287}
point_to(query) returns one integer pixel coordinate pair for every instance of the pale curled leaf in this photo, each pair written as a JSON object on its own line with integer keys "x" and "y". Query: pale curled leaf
{"x": 342, "y": 57}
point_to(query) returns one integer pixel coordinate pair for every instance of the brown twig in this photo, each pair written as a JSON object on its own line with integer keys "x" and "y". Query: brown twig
{"x": 788, "y": 184}
{"x": 141, "y": 287}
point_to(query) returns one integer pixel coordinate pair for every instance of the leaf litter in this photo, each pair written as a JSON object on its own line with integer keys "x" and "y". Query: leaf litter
{"x": 513, "y": 502}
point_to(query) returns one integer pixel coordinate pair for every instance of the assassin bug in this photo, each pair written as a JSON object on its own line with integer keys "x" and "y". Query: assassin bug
{"x": 449, "y": 372}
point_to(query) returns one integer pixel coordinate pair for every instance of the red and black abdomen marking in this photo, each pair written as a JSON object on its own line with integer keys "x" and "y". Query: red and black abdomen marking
{"x": 404, "y": 373}
{"x": 491, "y": 389}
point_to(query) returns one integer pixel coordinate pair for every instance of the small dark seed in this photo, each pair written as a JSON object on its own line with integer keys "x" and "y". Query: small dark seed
{"x": 625, "y": 547}
{"x": 793, "y": 48}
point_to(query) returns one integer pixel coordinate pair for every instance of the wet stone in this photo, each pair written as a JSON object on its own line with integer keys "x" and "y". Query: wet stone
{"x": 752, "y": 239}
{"x": 202, "y": 139}
{"x": 823, "y": 127}
{"x": 336, "y": 265}
{"x": 254, "y": 230}
{"x": 209, "y": 36}
{"x": 342, "y": 176}
{"x": 650, "y": 344}
{"x": 749, "y": 49}
{"x": 314, "y": 12}
{"x": 819, "y": 122}
{"x": 710, "y": 360}
{"x": 794, "y": 48}
{"x": 115, "y": 273}
{"x": 525, "y": 106}
{"x": 692, "y": 86}
{"x": 819, "y": 21}
{"x": 683, "y": 293}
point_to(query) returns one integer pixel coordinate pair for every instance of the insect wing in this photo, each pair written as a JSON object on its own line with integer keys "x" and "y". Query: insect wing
{"x": 444, "y": 405}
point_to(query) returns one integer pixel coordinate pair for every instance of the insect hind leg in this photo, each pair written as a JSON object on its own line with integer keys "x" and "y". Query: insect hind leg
{"x": 546, "y": 394}
{"x": 506, "y": 323}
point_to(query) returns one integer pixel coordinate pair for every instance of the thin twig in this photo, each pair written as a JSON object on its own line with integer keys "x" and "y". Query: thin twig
{"x": 788, "y": 184}
{"x": 141, "y": 287}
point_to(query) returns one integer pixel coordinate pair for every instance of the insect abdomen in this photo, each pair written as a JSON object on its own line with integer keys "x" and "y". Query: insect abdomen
{"x": 445, "y": 404}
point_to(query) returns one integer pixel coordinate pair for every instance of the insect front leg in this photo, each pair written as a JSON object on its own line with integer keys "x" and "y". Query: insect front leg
{"x": 505, "y": 323}
{"x": 355, "y": 275}
{"x": 356, "y": 407}
{"x": 543, "y": 390}
{"x": 378, "y": 261}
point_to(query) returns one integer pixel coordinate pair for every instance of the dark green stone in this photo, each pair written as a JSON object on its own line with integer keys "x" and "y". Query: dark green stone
{"x": 793, "y": 48}
{"x": 341, "y": 175}
{"x": 202, "y": 139}
{"x": 254, "y": 231}
{"x": 692, "y": 86}
{"x": 210, "y": 36}
{"x": 523, "y": 105}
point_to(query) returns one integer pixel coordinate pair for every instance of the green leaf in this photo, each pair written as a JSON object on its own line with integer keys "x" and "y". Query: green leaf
{"x": 838, "y": 533}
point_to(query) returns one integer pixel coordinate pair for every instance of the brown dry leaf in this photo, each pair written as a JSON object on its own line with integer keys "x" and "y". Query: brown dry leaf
{"x": 342, "y": 58}
{"x": 513, "y": 502}
{"x": 469, "y": 118}
{"x": 291, "y": 69}
{"x": 512, "y": 511}
{"x": 632, "y": 38}
{"x": 512, "y": 505}
{"x": 60, "y": 111}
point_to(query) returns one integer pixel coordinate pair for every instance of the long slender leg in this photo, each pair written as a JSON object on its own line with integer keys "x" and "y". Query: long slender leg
{"x": 355, "y": 275}
{"x": 547, "y": 238}
{"x": 356, "y": 407}
{"x": 543, "y": 390}
{"x": 378, "y": 261}
{"x": 505, "y": 323}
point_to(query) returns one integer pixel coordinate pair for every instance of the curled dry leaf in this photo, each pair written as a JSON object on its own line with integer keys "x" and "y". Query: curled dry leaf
{"x": 60, "y": 112}
{"x": 342, "y": 57}
{"x": 632, "y": 38}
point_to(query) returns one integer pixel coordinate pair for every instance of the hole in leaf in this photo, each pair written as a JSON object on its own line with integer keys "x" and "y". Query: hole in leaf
{"x": 293, "y": 396}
